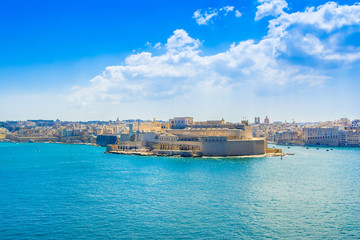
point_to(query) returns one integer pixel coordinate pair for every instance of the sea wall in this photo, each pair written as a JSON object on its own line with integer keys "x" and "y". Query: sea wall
{"x": 234, "y": 148}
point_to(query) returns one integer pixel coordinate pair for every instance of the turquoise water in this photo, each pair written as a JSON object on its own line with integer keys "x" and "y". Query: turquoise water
{"x": 54, "y": 191}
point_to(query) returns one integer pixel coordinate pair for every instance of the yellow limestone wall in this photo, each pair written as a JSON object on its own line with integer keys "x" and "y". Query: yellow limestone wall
{"x": 234, "y": 148}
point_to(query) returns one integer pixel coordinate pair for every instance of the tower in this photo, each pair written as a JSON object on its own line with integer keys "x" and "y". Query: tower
{"x": 266, "y": 120}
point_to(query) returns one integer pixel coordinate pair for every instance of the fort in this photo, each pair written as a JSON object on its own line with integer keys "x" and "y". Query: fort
{"x": 184, "y": 137}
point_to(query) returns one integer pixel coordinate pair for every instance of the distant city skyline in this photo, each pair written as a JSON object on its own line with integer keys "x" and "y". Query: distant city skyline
{"x": 256, "y": 120}
{"x": 83, "y": 61}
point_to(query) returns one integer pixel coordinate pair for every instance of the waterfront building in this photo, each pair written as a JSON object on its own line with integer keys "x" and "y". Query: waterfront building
{"x": 288, "y": 137}
{"x": 104, "y": 140}
{"x": 321, "y": 136}
{"x": 351, "y": 138}
{"x": 129, "y": 145}
{"x": 184, "y": 132}
{"x": 209, "y": 138}
{"x": 342, "y": 138}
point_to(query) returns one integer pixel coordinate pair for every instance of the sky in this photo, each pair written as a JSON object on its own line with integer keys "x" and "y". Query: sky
{"x": 236, "y": 59}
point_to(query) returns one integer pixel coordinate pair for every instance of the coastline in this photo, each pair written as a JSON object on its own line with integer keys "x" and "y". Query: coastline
{"x": 163, "y": 154}
{"x": 18, "y": 142}
{"x": 142, "y": 153}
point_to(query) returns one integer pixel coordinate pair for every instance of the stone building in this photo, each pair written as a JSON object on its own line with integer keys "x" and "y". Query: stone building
{"x": 210, "y": 138}
{"x": 321, "y": 136}
{"x": 180, "y": 122}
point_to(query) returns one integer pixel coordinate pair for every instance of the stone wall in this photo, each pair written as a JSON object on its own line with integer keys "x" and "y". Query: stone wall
{"x": 231, "y": 134}
{"x": 234, "y": 148}
{"x": 176, "y": 145}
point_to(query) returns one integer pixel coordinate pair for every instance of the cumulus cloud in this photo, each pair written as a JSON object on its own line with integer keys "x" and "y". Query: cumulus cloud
{"x": 270, "y": 8}
{"x": 326, "y": 17}
{"x": 315, "y": 31}
{"x": 181, "y": 42}
{"x": 182, "y": 69}
{"x": 207, "y": 17}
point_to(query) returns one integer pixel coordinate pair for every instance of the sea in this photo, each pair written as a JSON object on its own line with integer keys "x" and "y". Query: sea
{"x": 60, "y": 191}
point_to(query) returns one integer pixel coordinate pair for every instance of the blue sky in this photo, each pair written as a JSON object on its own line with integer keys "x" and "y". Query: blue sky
{"x": 89, "y": 60}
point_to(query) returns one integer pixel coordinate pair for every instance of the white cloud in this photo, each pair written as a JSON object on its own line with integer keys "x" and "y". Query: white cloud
{"x": 270, "y": 8}
{"x": 181, "y": 70}
{"x": 326, "y": 17}
{"x": 316, "y": 32}
{"x": 206, "y": 17}
{"x": 203, "y": 19}
{"x": 227, "y": 9}
{"x": 158, "y": 45}
{"x": 246, "y": 67}
{"x": 180, "y": 41}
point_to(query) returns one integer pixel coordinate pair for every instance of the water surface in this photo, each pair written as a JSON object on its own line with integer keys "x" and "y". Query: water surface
{"x": 58, "y": 191}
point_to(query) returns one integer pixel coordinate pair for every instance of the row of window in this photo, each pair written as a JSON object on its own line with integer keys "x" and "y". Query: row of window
{"x": 323, "y": 137}
{"x": 214, "y": 139}
{"x": 127, "y": 148}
